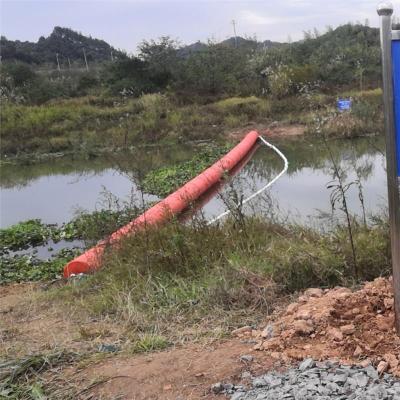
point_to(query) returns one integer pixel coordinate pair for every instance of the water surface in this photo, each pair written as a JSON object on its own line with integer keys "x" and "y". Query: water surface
{"x": 53, "y": 191}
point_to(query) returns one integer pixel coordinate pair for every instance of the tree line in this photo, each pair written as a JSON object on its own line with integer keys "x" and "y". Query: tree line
{"x": 346, "y": 56}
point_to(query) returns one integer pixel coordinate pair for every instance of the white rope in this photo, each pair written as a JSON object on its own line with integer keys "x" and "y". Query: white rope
{"x": 269, "y": 184}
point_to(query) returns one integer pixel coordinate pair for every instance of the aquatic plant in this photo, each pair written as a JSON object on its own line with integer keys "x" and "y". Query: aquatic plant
{"x": 164, "y": 181}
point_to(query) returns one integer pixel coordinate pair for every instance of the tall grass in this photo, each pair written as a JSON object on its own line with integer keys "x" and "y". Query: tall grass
{"x": 365, "y": 118}
{"x": 186, "y": 276}
{"x": 90, "y": 123}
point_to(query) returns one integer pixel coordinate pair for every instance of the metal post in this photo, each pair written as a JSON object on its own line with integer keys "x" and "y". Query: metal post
{"x": 385, "y": 11}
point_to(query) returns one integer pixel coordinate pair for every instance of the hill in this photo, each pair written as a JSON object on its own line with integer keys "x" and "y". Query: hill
{"x": 336, "y": 56}
{"x": 68, "y": 44}
{"x": 246, "y": 44}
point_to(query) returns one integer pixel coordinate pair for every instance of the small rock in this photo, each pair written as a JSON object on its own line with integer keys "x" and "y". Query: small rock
{"x": 382, "y": 367}
{"x": 314, "y": 292}
{"x": 303, "y": 299}
{"x": 357, "y": 352}
{"x": 361, "y": 379}
{"x": 366, "y": 363}
{"x": 348, "y": 329}
{"x": 392, "y": 360}
{"x": 109, "y": 348}
{"x": 388, "y": 302}
{"x": 242, "y": 330}
{"x": 303, "y": 327}
{"x": 333, "y": 387}
{"x": 259, "y": 382}
{"x": 268, "y": 332}
{"x": 292, "y": 308}
{"x": 335, "y": 334}
{"x": 303, "y": 314}
{"x": 238, "y": 396}
{"x": 217, "y": 388}
{"x": 371, "y": 372}
{"x": 306, "y": 364}
{"x": 340, "y": 378}
{"x": 246, "y": 358}
{"x": 228, "y": 387}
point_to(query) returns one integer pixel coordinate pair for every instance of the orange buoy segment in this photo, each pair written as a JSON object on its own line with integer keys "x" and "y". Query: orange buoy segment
{"x": 171, "y": 206}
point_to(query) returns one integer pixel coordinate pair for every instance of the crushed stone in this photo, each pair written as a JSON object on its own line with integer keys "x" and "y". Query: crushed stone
{"x": 313, "y": 380}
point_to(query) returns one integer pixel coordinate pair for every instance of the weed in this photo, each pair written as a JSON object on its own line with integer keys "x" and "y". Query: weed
{"x": 199, "y": 275}
{"x": 149, "y": 342}
{"x": 18, "y": 268}
{"x": 20, "y": 379}
{"x": 165, "y": 180}
{"x": 25, "y": 234}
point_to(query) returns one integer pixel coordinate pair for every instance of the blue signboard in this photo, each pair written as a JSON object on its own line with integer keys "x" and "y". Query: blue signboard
{"x": 396, "y": 91}
{"x": 343, "y": 104}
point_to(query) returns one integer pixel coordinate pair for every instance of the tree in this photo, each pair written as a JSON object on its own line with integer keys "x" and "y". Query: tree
{"x": 217, "y": 69}
{"x": 160, "y": 58}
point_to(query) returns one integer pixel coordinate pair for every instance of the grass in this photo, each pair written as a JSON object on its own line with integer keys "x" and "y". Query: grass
{"x": 89, "y": 124}
{"x": 148, "y": 342}
{"x": 22, "y": 378}
{"x": 181, "y": 280}
{"x": 365, "y": 118}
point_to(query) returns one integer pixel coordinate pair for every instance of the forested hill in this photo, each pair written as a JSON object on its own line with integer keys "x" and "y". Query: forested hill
{"x": 68, "y": 44}
{"x": 348, "y": 56}
{"x": 339, "y": 56}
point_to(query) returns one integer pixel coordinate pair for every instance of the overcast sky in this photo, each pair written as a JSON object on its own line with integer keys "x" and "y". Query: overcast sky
{"x": 124, "y": 23}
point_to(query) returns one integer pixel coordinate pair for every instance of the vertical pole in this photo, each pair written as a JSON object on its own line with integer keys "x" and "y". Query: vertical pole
{"x": 234, "y": 32}
{"x": 84, "y": 55}
{"x": 58, "y": 62}
{"x": 385, "y": 11}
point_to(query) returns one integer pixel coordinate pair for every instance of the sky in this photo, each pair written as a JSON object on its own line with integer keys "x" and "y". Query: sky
{"x": 125, "y": 23}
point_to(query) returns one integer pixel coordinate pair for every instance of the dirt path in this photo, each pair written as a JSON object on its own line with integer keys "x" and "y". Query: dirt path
{"x": 186, "y": 373}
{"x": 28, "y": 327}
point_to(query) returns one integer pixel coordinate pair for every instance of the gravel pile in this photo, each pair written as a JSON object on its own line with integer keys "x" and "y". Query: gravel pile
{"x": 318, "y": 381}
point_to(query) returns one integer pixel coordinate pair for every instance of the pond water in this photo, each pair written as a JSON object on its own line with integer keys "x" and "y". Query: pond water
{"x": 53, "y": 191}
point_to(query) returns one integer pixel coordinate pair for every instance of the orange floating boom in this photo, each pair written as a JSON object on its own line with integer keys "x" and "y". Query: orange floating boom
{"x": 171, "y": 206}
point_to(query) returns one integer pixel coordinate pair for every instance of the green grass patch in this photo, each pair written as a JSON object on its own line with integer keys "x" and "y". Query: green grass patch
{"x": 148, "y": 342}
{"x": 88, "y": 125}
{"x": 164, "y": 181}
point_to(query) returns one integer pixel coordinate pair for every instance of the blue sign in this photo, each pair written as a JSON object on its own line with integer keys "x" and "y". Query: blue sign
{"x": 344, "y": 104}
{"x": 396, "y": 92}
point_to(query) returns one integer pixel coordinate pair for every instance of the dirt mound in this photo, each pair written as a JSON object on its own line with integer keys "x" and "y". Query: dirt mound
{"x": 352, "y": 327}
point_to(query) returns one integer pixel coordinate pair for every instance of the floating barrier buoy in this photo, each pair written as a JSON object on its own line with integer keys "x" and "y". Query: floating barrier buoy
{"x": 167, "y": 208}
